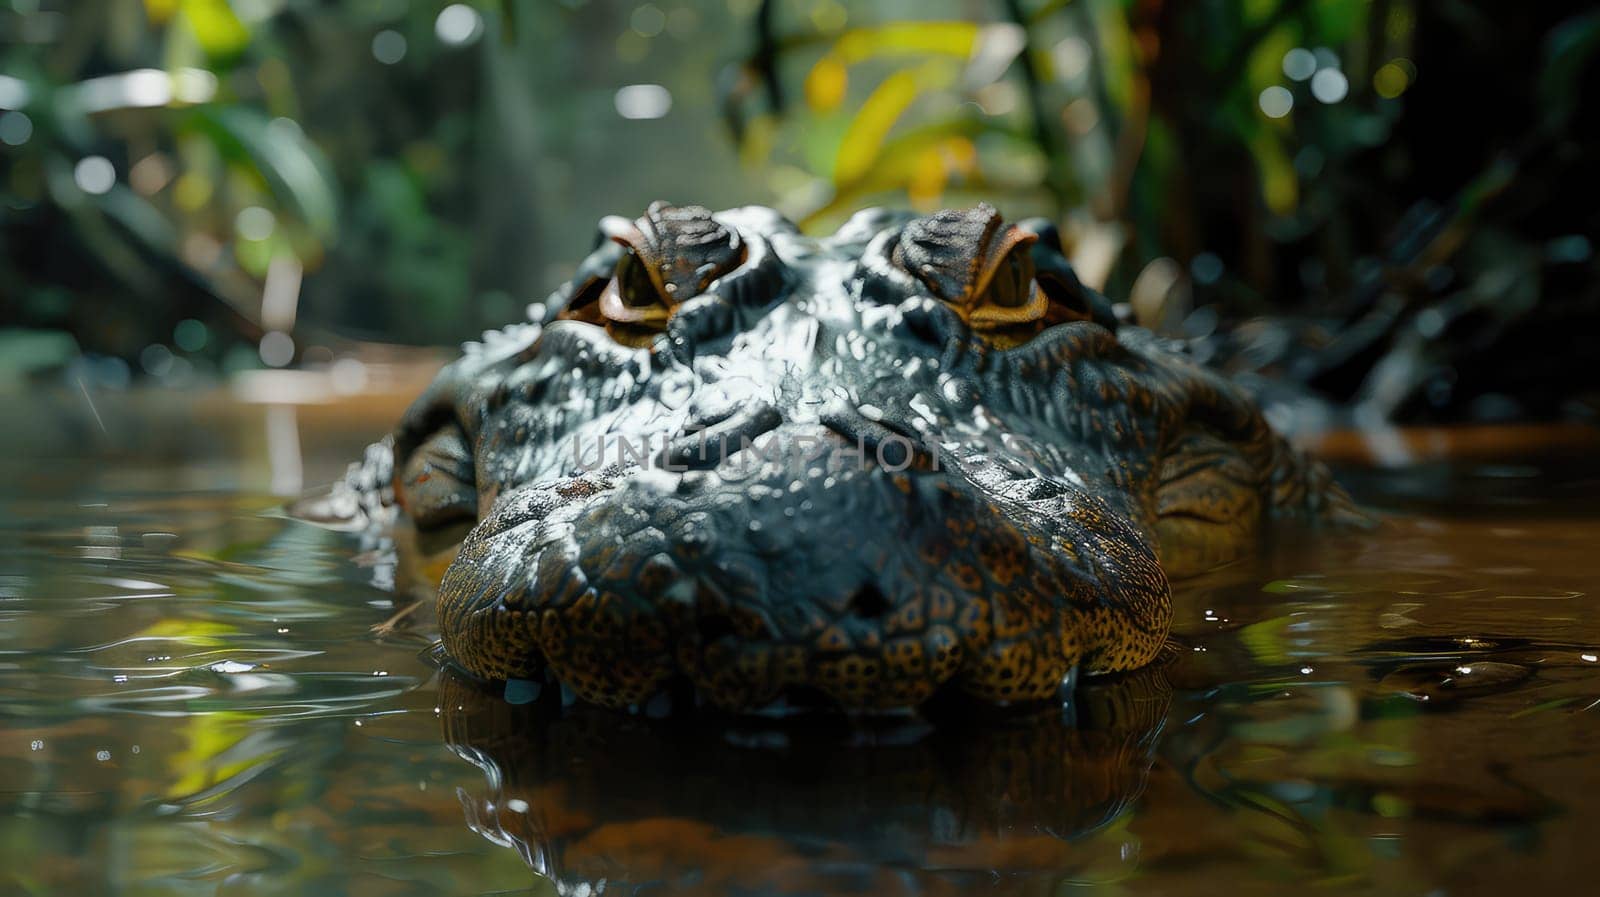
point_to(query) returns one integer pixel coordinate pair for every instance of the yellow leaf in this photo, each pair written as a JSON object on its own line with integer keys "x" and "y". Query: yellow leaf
{"x": 903, "y": 38}
{"x": 189, "y": 632}
{"x": 928, "y": 177}
{"x": 933, "y": 168}
{"x": 872, "y": 124}
{"x": 826, "y": 84}
{"x": 207, "y": 740}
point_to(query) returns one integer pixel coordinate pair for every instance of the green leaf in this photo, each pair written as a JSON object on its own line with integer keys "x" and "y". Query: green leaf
{"x": 218, "y": 31}
{"x": 293, "y": 168}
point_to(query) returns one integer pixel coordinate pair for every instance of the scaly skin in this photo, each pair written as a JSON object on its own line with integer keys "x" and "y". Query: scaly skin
{"x": 957, "y": 471}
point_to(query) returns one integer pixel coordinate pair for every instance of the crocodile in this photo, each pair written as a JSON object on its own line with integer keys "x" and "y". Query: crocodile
{"x": 914, "y": 458}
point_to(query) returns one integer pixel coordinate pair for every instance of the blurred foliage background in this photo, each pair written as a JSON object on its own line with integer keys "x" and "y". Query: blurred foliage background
{"x": 1387, "y": 203}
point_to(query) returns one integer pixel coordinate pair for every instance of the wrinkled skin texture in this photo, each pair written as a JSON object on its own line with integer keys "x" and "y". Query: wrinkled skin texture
{"x": 914, "y": 455}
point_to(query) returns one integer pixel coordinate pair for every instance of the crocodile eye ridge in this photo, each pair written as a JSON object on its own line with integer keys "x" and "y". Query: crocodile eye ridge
{"x": 671, "y": 254}
{"x": 986, "y": 271}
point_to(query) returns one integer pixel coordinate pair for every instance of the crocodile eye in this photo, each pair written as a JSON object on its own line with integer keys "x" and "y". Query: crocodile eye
{"x": 977, "y": 264}
{"x": 1007, "y": 295}
{"x": 633, "y": 284}
{"x": 984, "y": 270}
{"x": 1012, "y": 283}
{"x": 670, "y": 255}
{"x": 633, "y": 306}
{"x": 1020, "y": 302}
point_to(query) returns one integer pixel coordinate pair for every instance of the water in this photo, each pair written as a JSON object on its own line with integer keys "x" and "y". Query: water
{"x": 193, "y": 701}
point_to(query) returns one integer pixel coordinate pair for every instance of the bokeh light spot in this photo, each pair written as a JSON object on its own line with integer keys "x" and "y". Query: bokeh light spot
{"x": 828, "y": 15}
{"x": 388, "y": 46}
{"x": 1071, "y": 58}
{"x": 1390, "y": 80}
{"x": 1299, "y": 63}
{"x": 641, "y": 101}
{"x": 1329, "y": 85}
{"x": 191, "y": 335}
{"x": 276, "y": 349}
{"x": 1430, "y": 323}
{"x": 150, "y": 174}
{"x": 15, "y": 128}
{"x": 648, "y": 20}
{"x": 94, "y": 175}
{"x": 156, "y": 360}
{"x": 458, "y": 24}
{"x": 1276, "y": 101}
{"x": 1205, "y": 268}
{"x": 1081, "y": 116}
{"x": 13, "y": 92}
{"x": 348, "y": 376}
{"x": 254, "y": 223}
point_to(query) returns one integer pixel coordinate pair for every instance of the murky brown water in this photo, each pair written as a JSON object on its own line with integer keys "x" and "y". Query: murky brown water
{"x": 192, "y": 701}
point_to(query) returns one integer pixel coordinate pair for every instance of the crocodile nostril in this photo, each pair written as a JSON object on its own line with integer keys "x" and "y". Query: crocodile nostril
{"x": 869, "y": 603}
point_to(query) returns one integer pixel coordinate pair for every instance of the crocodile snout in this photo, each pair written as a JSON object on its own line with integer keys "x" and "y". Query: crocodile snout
{"x": 874, "y": 585}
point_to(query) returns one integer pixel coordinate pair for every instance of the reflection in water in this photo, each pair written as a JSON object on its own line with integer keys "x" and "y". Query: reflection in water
{"x": 698, "y": 805}
{"x": 193, "y": 701}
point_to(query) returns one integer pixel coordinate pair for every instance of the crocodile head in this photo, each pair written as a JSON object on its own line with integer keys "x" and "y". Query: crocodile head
{"x": 915, "y": 455}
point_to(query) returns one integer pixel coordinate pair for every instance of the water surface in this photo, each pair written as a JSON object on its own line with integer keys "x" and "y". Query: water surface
{"x": 193, "y": 700}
